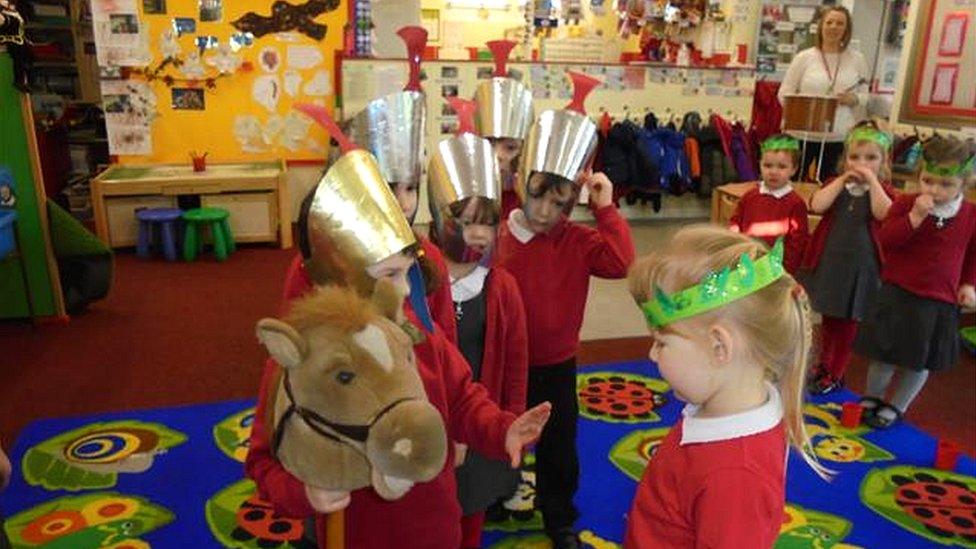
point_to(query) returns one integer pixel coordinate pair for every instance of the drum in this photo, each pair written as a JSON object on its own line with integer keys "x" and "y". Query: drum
{"x": 809, "y": 113}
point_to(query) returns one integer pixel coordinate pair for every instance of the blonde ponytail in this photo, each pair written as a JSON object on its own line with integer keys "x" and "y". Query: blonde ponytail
{"x": 793, "y": 381}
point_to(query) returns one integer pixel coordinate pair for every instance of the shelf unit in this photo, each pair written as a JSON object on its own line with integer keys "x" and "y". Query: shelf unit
{"x": 64, "y": 50}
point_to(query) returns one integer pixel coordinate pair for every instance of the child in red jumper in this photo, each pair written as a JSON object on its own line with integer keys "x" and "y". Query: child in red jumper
{"x": 464, "y": 203}
{"x": 929, "y": 243}
{"x": 773, "y": 209}
{"x": 842, "y": 264}
{"x": 552, "y": 260}
{"x": 734, "y": 347}
{"x": 428, "y": 515}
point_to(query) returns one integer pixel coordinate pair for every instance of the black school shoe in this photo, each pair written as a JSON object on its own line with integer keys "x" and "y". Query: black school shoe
{"x": 824, "y": 384}
{"x": 564, "y": 538}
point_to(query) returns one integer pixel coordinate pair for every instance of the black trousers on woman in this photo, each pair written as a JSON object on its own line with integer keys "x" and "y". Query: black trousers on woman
{"x": 831, "y": 160}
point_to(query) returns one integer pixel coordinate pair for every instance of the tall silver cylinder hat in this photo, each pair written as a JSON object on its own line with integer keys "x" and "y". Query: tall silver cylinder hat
{"x": 463, "y": 166}
{"x": 393, "y": 129}
{"x": 504, "y": 103}
{"x": 560, "y": 142}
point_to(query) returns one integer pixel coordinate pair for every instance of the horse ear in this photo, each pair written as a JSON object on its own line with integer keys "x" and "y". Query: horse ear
{"x": 283, "y": 342}
{"x": 388, "y": 301}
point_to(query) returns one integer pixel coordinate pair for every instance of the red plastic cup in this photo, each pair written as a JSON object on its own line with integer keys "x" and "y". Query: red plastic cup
{"x": 741, "y": 53}
{"x": 946, "y": 455}
{"x": 199, "y": 163}
{"x": 850, "y": 416}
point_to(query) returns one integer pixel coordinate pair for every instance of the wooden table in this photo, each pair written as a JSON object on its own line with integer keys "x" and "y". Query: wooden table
{"x": 254, "y": 194}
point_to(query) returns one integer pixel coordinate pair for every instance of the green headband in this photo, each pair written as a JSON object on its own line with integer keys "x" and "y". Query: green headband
{"x": 780, "y": 143}
{"x": 716, "y": 289}
{"x": 952, "y": 170}
{"x": 867, "y": 133}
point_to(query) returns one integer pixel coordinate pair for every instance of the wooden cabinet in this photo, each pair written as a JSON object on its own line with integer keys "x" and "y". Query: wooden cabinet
{"x": 254, "y": 194}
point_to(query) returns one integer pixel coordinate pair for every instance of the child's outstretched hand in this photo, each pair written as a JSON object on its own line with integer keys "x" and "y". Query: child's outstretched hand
{"x": 600, "y": 188}
{"x": 525, "y": 430}
{"x": 967, "y": 296}
{"x": 923, "y": 206}
{"x": 327, "y": 501}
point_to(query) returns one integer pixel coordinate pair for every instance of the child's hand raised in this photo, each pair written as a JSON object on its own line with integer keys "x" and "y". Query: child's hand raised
{"x": 923, "y": 206}
{"x": 600, "y": 189}
{"x": 327, "y": 501}
{"x": 967, "y": 296}
{"x": 867, "y": 176}
{"x": 525, "y": 430}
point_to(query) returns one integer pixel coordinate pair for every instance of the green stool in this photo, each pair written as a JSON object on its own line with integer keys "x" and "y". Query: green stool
{"x": 217, "y": 218}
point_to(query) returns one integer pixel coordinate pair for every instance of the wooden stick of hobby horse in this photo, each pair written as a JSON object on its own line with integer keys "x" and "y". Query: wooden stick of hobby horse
{"x": 335, "y": 530}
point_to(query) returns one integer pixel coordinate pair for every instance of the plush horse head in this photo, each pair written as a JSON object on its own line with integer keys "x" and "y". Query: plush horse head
{"x": 349, "y": 409}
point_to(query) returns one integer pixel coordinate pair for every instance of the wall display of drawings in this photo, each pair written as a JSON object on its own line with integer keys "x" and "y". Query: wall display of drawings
{"x": 785, "y": 29}
{"x": 222, "y": 76}
{"x": 939, "y": 80}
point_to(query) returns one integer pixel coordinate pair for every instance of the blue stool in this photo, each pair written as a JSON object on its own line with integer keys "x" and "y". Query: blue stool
{"x": 166, "y": 219}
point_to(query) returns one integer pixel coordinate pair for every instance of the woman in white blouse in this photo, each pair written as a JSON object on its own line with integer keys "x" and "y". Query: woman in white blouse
{"x": 829, "y": 68}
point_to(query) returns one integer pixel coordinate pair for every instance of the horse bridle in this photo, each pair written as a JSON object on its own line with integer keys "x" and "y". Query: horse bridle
{"x": 338, "y": 432}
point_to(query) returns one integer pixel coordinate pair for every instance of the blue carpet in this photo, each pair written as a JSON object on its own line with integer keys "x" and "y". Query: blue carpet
{"x": 65, "y": 494}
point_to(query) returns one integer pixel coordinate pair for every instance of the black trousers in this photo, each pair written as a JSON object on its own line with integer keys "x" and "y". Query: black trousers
{"x": 556, "y": 460}
{"x": 831, "y": 159}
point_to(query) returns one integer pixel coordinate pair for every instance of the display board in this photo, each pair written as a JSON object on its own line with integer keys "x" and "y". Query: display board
{"x": 240, "y": 67}
{"x": 939, "y": 80}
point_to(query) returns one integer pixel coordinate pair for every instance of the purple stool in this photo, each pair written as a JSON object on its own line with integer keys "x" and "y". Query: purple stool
{"x": 166, "y": 219}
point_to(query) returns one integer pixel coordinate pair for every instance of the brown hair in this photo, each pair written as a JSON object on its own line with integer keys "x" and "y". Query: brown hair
{"x": 775, "y": 321}
{"x": 949, "y": 150}
{"x": 846, "y": 39}
{"x": 884, "y": 174}
{"x": 794, "y": 153}
{"x": 546, "y": 181}
{"x": 485, "y": 213}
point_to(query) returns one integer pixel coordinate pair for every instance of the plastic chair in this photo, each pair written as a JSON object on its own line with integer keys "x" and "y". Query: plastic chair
{"x": 218, "y": 220}
{"x": 166, "y": 219}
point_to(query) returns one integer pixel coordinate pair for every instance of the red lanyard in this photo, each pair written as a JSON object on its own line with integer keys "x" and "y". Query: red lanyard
{"x": 832, "y": 77}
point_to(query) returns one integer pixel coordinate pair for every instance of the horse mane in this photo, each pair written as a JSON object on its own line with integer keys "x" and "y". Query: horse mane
{"x": 331, "y": 305}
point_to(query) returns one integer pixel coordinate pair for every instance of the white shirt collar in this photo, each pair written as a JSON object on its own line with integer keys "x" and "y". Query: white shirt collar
{"x": 775, "y": 193}
{"x": 470, "y": 286}
{"x": 752, "y": 422}
{"x": 516, "y": 224}
{"x": 949, "y": 209}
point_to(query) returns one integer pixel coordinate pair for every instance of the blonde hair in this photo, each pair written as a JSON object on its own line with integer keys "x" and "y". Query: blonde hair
{"x": 884, "y": 173}
{"x": 775, "y": 320}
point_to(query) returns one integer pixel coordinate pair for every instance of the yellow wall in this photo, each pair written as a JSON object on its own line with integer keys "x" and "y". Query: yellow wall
{"x": 175, "y": 132}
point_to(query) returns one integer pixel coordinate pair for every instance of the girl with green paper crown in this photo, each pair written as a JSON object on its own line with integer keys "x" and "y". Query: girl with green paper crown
{"x": 842, "y": 264}
{"x": 731, "y": 332}
{"x": 929, "y": 245}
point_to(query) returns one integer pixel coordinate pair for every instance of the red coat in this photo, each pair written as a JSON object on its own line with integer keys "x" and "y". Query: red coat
{"x": 928, "y": 261}
{"x": 815, "y": 248}
{"x": 768, "y": 218}
{"x": 428, "y": 516}
{"x": 505, "y": 363}
{"x": 553, "y": 273}
{"x": 439, "y": 302}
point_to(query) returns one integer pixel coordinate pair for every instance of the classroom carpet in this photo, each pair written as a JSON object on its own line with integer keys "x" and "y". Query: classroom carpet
{"x": 173, "y": 477}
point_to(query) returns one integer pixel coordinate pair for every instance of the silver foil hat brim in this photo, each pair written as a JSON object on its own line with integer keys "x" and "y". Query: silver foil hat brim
{"x": 504, "y": 108}
{"x": 392, "y": 128}
{"x": 462, "y": 167}
{"x": 560, "y": 142}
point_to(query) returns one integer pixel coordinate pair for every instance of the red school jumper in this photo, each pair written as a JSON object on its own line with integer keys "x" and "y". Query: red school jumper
{"x": 714, "y": 482}
{"x": 767, "y": 214}
{"x": 428, "y": 516}
{"x": 928, "y": 261}
{"x": 553, "y": 273}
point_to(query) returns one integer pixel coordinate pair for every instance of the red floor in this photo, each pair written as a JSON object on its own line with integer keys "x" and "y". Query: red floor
{"x": 183, "y": 333}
